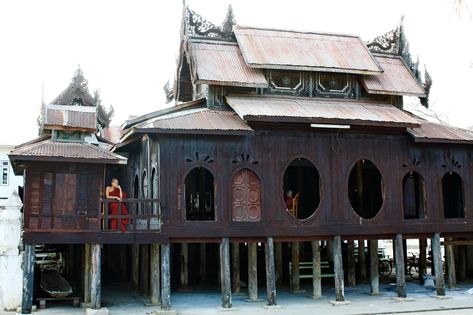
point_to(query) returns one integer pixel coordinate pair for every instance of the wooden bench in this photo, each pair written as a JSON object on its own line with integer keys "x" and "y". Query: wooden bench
{"x": 305, "y": 270}
{"x": 42, "y": 301}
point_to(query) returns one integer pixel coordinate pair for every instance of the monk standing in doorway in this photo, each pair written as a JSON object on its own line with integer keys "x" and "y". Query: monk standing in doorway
{"x": 115, "y": 192}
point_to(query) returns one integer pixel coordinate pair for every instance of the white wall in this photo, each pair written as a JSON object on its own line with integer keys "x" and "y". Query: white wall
{"x": 13, "y": 181}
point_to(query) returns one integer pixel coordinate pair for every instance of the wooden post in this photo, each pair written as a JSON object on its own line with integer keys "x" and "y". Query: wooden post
{"x": 278, "y": 262}
{"x": 28, "y": 279}
{"x": 461, "y": 262}
{"x": 351, "y": 275}
{"x": 330, "y": 250}
{"x": 338, "y": 269}
{"x": 362, "y": 260}
{"x": 252, "y": 272}
{"x": 225, "y": 273}
{"x": 316, "y": 271}
{"x": 144, "y": 269}
{"x": 437, "y": 261}
{"x": 95, "y": 277}
{"x": 184, "y": 276}
{"x": 135, "y": 266}
{"x": 236, "y": 267}
{"x": 154, "y": 269}
{"x": 270, "y": 272}
{"x": 295, "y": 281}
{"x": 203, "y": 263}
{"x": 123, "y": 262}
{"x": 374, "y": 266}
{"x": 422, "y": 259}
{"x": 400, "y": 268}
{"x": 165, "y": 277}
{"x": 450, "y": 260}
{"x": 87, "y": 261}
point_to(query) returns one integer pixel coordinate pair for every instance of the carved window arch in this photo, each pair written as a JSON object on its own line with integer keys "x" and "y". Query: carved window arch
{"x": 452, "y": 192}
{"x": 144, "y": 184}
{"x": 413, "y": 195}
{"x": 199, "y": 195}
{"x": 246, "y": 196}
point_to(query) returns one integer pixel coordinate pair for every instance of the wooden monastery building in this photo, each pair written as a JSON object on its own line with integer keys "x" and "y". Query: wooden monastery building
{"x": 283, "y": 147}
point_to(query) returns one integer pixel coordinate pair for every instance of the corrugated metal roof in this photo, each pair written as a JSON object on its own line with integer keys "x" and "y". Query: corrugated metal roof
{"x": 396, "y": 79}
{"x": 221, "y": 63}
{"x": 310, "y": 110}
{"x": 438, "y": 133}
{"x": 65, "y": 151}
{"x": 197, "y": 119}
{"x": 293, "y": 50}
{"x": 113, "y": 133}
{"x": 70, "y": 116}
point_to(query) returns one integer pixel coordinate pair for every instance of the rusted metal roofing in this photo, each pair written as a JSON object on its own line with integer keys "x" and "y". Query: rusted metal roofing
{"x": 221, "y": 63}
{"x": 295, "y": 50}
{"x": 396, "y": 79}
{"x": 197, "y": 120}
{"x": 113, "y": 133}
{"x": 430, "y": 132}
{"x": 310, "y": 110}
{"x": 49, "y": 150}
{"x": 69, "y": 117}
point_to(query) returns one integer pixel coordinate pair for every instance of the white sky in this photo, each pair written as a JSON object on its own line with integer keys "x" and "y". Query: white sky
{"x": 128, "y": 49}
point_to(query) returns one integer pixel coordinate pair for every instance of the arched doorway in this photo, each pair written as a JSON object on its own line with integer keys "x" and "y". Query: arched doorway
{"x": 452, "y": 191}
{"x": 413, "y": 195}
{"x": 246, "y": 197}
{"x": 199, "y": 188}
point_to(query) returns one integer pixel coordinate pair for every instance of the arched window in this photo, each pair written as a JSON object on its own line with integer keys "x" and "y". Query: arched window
{"x": 199, "y": 187}
{"x": 136, "y": 188}
{"x": 154, "y": 189}
{"x": 365, "y": 189}
{"x": 413, "y": 195}
{"x": 246, "y": 197}
{"x": 144, "y": 184}
{"x": 301, "y": 188}
{"x": 452, "y": 190}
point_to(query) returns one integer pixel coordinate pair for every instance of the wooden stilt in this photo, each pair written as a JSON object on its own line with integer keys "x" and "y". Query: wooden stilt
{"x": 450, "y": 260}
{"x": 123, "y": 263}
{"x": 400, "y": 268}
{"x": 330, "y": 250}
{"x": 236, "y": 268}
{"x": 422, "y": 259}
{"x": 95, "y": 277}
{"x": 461, "y": 262}
{"x": 295, "y": 280}
{"x": 252, "y": 271}
{"x": 144, "y": 269}
{"x": 270, "y": 272}
{"x": 437, "y": 261}
{"x": 28, "y": 279}
{"x": 154, "y": 279}
{"x": 374, "y": 266}
{"x": 135, "y": 266}
{"x": 362, "y": 260}
{"x": 316, "y": 271}
{"x": 165, "y": 277}
{"x": 225, "y": 273}
{"x": 351, "y": 275}
{"x": 338, "y": 269}
{"x": 184, "y": 276}
{"x": 278, "y": 262}
{"x": 87, "y": 262}
{"x": 203, "y": 263}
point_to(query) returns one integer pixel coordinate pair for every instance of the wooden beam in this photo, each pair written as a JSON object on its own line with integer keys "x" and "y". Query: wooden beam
{"x": 338, "y": 269}
{"x": 252, "y": 271}
{"x": 28, "y": 279}
{"x": 236, "y": 267}
{"x": 437, "y": 261}
{"x": 144, "y": 269}
{"x": 155, "y": 279}
{"x": 225, "y": 273}
{"x": 450, "y": 241}
{"x": 165, "y": 277}
{"x": 362, "y": 260}
{"x": 374, "y": 266}
{"x": 316, "y": 271}
{"x": 96, "y": 276}
{"x": 422, "y": 259}
{"x": 135, "y": 266}
{"x": 400, "y": 268}
{"x": 203, "y": 262}
{"x": 450, "y": 261}
{"x": 295, "y": 273}
{"x": 351, "y": 272}
{"x": 184, "y": 275}
{"x": 87, "y": 262}
{"x": 278, "y": 262}
{"x": 270, "y": 272}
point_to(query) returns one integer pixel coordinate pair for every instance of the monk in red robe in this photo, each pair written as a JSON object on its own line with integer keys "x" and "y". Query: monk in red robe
{"x": 115, "y": 192}
{"x": 289, "y": 200}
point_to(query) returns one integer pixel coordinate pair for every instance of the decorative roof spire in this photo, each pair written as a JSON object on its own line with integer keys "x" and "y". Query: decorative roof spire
{"x": 77, "y": 93}
{"x": 196, "y": 25}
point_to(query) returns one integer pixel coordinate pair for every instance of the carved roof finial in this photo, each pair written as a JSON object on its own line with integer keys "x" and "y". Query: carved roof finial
{"x": 195, "y": 25}
{"x": 227, "y": 25}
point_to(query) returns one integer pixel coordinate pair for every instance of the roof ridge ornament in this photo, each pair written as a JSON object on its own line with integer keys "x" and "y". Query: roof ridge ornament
{"x": 196, "y": 25}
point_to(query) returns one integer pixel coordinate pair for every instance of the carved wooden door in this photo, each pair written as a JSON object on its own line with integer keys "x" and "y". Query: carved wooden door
{"x": 246, "y": 197}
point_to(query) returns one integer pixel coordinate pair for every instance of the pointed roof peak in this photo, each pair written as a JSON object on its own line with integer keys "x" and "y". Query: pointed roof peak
{"x": 77, "y": 93}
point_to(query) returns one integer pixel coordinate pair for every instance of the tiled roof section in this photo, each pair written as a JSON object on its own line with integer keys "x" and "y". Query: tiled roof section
{"x": 396, "y": 79}
{"x": 221, "y": 63}
{"x": 325, "y": 111}
{"x": 65, "y": 151}
{"x": 430, "y": 132}
{"x": 293, "y": 50}
{"x": 113, "y": 133}
{"x": 197, "y": 119}
{"x": 70, "y": 116}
